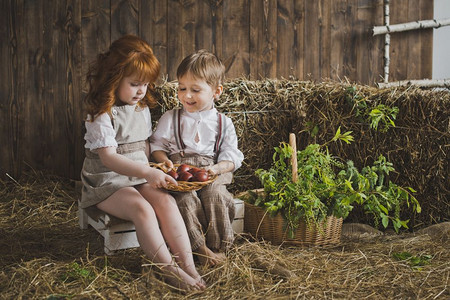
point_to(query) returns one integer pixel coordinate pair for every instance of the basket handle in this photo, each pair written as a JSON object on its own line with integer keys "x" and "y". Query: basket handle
{"x": 293, "y": 144}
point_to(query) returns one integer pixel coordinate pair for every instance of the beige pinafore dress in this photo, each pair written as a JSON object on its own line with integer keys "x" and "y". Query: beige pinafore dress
{"x": 99, "y": 182}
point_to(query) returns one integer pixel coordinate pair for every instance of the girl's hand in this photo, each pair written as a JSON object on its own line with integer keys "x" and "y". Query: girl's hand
{"x": 158, "y": 179}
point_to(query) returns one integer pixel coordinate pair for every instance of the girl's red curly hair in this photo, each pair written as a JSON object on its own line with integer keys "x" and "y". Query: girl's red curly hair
{"x": 128, "y": 55}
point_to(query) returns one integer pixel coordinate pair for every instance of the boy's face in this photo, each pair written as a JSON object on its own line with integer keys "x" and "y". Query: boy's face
{"x": 196, "y": 94}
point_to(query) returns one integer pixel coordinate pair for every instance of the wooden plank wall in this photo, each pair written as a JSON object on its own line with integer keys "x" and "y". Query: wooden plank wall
{"x": 46, "y": 47}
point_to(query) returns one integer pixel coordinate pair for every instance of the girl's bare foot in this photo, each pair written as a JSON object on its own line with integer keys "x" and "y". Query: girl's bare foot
{"x": 207, "y": 257}
{"x": 176, "y": 277}
{"x": 191, "y": 270}
{"x": 200, "y": 282}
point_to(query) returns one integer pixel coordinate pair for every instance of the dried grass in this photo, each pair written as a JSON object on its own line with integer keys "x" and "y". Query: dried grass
{"x": 44, "y": 255}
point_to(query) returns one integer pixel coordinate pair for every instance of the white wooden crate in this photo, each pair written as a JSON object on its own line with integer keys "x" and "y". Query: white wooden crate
{"x": 238, "y": 222}
{"x": 119, "y": 234}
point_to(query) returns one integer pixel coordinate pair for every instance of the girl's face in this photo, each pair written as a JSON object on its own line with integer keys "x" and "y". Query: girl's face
{"x": 131, "y": 90}
{"x": 196, "y": 94}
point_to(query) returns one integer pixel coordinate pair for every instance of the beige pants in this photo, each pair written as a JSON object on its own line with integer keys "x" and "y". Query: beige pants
{"x": 208, "y": 213}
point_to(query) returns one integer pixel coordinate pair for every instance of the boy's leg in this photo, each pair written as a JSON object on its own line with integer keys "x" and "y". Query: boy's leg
{"x": 194, "y": 216}
{"x": 191, "y": 209}
{"x": 219, "y": 209}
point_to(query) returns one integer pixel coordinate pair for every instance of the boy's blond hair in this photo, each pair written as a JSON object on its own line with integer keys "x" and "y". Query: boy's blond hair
{"x": 203, "y": 65}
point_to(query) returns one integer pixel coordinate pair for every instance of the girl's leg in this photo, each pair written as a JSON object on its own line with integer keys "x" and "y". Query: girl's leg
{"x": 128, "y": 204}
{"x": 172, "y": 226}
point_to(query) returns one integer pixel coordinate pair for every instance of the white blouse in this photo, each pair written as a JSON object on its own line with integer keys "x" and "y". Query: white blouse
{"x": 100, "y": 133}
{"x": 201, "y": 126}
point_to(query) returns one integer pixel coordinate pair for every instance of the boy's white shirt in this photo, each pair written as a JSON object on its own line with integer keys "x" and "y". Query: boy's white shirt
{"x": 100, "y": 133}
{"x": 204, "y": 124}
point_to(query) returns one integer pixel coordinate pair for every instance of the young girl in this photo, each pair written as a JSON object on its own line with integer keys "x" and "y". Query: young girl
{"x": 198, "y": 135}
{"x": 115, "y": 175}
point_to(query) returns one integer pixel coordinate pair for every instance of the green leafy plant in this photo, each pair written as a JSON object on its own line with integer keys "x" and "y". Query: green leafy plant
{"x": 415, "y": 261}
{"x": 59, "y": 297}
{"x": 328, "y": 187}
{"x": 379, "y": 117}
{"x": 76, "y": 272}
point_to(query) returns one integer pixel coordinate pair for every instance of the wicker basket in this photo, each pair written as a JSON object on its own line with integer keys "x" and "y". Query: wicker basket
{"x": 260, "y": 225}
{"x": 183, "y": 186}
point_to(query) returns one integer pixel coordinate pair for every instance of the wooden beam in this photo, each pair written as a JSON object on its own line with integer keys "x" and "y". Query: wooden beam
{"x": 426, "y": 83}
{"x": 387, "y": 42}
{"x": 410, "y": 26}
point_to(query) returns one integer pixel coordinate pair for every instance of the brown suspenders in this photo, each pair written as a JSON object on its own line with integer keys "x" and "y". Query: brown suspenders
{"x": 177, "y": 131}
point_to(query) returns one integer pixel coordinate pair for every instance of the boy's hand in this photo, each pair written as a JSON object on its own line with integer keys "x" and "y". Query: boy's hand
{"x": 221, "y": 167}
{"x": 213, "y": 170}
{"x": 168, "y": 163}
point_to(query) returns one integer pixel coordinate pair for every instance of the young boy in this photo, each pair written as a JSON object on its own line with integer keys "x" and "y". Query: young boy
{"x": 198, "y": 135}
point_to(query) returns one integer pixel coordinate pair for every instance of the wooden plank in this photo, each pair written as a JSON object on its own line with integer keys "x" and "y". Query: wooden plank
{"x": 95, "y": 33}
{"x": 399, "y": 42}
{"x": 216, "y": 9}
{"x": 203, "y": 27}
{"x": 153, "y": 29}
{"x": 31, "y": 83}
{"x": 285, "y": 39}
{"x": 49, "y": 81}
{"x": 324, "y": 39}
{"x": 184, "y": 21}
{"x": 337, "y": 35}
{"x": 197, "y": 27}
{"x": 174, "y": 41}
{"x": 263, "y": 39}
{"x": 11, "y": 104}
{"x": 187, "y": 30}
{"x": 124, "y": 18}
{"x": 364, "y": 13}
{"x": 56, "y": 97}
{"x": 413, "y": 43}
{"x": 7, "y": 48}
{"x": 72, "y": 90}
{"x": 95, "y": 38}
{"x": 311, "y": 40}
{"x": 350, "y": 48}
{"x": 426, "y": 10}
{"x": 236, "y": 33}
{"x": 299, "y": 42}
{"x": 375, "y": 46}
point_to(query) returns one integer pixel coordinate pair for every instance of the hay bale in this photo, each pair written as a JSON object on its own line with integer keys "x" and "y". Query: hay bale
{"x": 358, "y": 231}
{"x": 266, "y": 111}
{"x": 439, "y": 232}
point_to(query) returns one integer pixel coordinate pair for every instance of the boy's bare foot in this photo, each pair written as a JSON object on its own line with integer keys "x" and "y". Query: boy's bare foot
{"x": 207, "y": 257}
